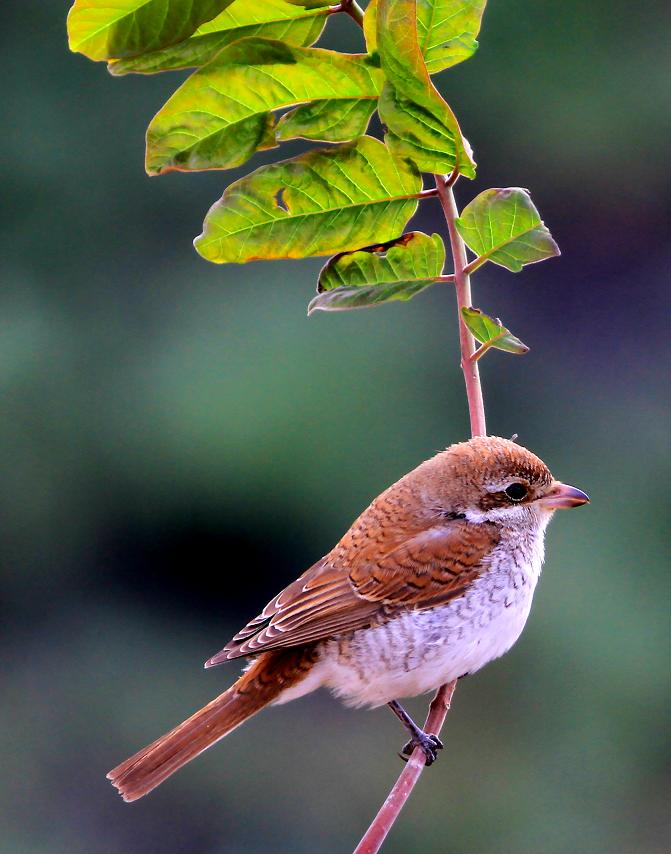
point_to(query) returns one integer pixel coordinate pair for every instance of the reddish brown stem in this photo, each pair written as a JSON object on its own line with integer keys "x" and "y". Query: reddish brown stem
{"x": 462, "y": 281}
{"x": 390, "y": 809}
{"x": 351, "y": 8}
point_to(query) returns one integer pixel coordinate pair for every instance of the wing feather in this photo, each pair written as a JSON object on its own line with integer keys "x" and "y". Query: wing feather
{"x": 428, "y": 569}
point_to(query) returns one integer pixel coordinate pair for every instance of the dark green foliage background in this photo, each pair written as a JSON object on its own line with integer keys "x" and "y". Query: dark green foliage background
{"x": 179, "y": 441}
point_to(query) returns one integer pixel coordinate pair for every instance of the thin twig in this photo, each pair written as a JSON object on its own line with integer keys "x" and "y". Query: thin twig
{"x": 390, "y": 809}
{"x": 476, "y": 406}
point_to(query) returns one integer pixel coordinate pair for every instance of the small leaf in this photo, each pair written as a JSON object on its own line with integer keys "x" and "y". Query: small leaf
{"x": 327, "y": 121}
{"x": 272, "y": 19}
{"x": 503, "y": 226}
{"x": 420, "y": 124}
{"x": 222, "y": 114}
{"x": 396, "y": 270}
{"x": 446, "y": 30}
{"x": 326, "y": 201}
{"x": 116, "y": 28}
{"x": 491, "y": 332}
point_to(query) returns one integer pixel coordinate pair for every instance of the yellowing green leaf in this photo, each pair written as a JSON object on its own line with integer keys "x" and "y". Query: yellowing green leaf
{"x": 503, "y": 226}
{"x": 310, "y": 4}
{"x": 108, "y": 29}
{"x": 491, "y": 332}
{"x": 396, "y": 270}
{"x": 323, "y": 202}
{"x": 272, "y": 19}
{"x": 420, "y": 124}
{"x": 446, "y": 30}
{"x": 370, "y": 26}
{"x": 223, "y": 113}
{"x": 327, "y": 121}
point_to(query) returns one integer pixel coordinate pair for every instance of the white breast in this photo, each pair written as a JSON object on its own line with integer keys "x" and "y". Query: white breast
{"x": 420, "y": 650}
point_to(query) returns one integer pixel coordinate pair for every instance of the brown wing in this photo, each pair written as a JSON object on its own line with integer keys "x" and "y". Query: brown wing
{"x": 428, "y": 569}
{"x": 320, "y": 603}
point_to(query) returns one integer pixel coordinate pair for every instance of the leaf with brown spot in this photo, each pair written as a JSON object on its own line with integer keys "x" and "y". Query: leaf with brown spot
{"x": 397, "y": 270}
{"x": 332, "y": 200}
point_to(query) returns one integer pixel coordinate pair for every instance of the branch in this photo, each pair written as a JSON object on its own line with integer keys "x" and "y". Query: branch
{"x": 390, "y": 809}
{"x": 440, "y": 705}
{"x": 469, "y": 366}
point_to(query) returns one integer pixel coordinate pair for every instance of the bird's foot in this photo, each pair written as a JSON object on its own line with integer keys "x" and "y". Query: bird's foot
{"x": 430, "y": 745}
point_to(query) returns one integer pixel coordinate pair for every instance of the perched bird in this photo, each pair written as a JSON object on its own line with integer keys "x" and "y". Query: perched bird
{"x": 432, "y": 581}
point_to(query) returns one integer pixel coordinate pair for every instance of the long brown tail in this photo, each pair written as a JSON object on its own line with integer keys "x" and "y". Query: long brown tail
{"x": 270, "y": 674}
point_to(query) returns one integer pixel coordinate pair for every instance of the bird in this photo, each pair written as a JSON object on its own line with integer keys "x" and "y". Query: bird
{"x": 431, "y": 582}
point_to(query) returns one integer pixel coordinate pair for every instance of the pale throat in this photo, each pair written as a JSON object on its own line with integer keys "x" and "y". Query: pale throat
{"x": 522, "y": 535}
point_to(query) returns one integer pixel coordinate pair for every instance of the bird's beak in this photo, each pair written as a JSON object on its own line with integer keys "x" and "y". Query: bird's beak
{"x": 562, "y": 496}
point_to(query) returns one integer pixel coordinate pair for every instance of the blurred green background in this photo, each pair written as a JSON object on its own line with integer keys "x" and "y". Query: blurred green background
{"x": 179, "y": 442}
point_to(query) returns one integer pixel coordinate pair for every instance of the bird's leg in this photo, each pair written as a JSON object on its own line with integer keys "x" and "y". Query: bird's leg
{"x": 430, "y": 744}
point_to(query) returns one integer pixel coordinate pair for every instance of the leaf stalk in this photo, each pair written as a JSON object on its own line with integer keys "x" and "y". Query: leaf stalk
{"x": 475, "y": 264}
{"x": 427, "y": 194}
{"x": 351, "y": 8}
{"x": 482, "y": 349}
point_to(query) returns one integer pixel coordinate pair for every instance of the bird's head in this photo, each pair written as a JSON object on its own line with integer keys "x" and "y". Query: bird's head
{"x": 489, "y": 479}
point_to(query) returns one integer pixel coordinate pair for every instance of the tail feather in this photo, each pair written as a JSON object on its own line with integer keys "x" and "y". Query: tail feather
{"x": 269, "y": 675}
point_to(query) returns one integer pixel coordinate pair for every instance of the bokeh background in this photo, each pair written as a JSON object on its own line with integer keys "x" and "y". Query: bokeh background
{"x": 179, "y": 441}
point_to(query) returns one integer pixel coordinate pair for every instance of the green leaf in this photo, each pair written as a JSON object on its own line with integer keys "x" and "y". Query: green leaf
{"x": 109, "y": 29}
{"x": 223, "y": 113}
{"x": 396, "y": 270}
{"x": 310, "y": 4}
{"x": 491, "y": 332}
{"x": 503, "y": 226}
{"x": 327, "y": 121}
{"x": 446, "y": 30}
{"x": 272, "y": 19}
{"x": 420, "y": 124}
{"x": 370, "y": 26}
{"x": 325, "y": 201}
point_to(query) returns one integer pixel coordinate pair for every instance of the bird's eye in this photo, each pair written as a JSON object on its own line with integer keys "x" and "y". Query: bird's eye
{"x": 516, "y": 491}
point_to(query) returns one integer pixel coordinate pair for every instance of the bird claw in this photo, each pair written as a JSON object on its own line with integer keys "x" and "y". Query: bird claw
{"x": 430, "y": 745}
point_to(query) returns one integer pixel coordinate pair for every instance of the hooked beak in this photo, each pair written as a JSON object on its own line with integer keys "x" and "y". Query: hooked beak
{"x": 563, "y": 496}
